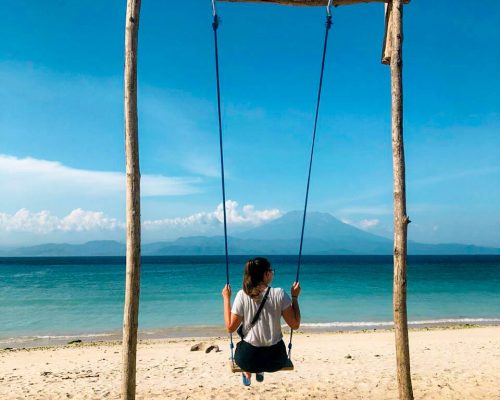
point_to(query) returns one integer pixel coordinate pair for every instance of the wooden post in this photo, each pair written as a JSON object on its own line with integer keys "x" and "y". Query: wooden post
{"x": 131, "y": 309}
{"x": 401, "y": 220}
{"x": 387, "y": 45}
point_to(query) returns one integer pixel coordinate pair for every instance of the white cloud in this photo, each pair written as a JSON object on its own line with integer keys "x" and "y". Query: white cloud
{"x": 43, "y": 222}
{"x": 91, "y": 225}
{"x": 247, "y": 217}
{"x": 80, "y": 220}
{"x": 364, "y": 224}
{"x": 31, "y": 177}
{"x": 368, "y": 223}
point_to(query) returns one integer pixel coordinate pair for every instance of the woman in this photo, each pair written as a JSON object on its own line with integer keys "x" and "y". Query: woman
{"x": 262, "y": 348}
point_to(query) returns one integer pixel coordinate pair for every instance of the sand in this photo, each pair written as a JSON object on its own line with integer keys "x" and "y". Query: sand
{"x": 446, "y": 364}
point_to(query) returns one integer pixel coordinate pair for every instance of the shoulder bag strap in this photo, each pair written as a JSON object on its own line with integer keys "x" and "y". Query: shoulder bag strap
{"x": 261, "y": 306}
{"x": 257, "y": 314}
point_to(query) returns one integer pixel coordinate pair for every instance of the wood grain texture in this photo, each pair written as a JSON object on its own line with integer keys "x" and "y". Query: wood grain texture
{"x": 401, "y": 220}
{"x": 387, "y": 45}
{"x": 133, "y": 218}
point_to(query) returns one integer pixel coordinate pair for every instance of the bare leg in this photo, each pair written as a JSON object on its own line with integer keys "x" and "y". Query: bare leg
{"x": 248, "y": 374}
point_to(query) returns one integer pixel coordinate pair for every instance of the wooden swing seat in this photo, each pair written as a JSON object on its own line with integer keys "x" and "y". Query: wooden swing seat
{"x": 288, "y": 367}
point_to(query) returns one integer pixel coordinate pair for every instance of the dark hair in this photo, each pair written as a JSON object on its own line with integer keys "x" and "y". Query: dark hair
{"x": 253, "y": 277}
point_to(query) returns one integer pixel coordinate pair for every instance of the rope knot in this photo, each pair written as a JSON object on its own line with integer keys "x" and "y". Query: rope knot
{"x": 328, "y": 21}
{"x": 215, "y": 24}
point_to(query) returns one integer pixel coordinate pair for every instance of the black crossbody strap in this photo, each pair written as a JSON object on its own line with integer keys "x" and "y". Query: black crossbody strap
{"x": 257, "y": 314}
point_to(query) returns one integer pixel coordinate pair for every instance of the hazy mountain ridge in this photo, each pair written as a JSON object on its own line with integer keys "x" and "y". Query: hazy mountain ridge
{"x": 324, "y": 235}
{"x": 92, "y": 248}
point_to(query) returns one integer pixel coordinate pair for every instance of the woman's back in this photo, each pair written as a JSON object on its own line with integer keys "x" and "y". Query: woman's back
{"x": 267, "y": 329}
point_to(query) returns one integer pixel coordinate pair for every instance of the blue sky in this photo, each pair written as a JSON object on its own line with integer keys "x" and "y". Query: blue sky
{"x": 61, "y": 119}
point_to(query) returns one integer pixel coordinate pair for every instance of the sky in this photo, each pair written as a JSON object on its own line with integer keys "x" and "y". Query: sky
{"x": 62, "y": 155}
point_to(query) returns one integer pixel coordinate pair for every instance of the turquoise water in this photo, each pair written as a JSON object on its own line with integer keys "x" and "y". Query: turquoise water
{"x": 84, "y": 296}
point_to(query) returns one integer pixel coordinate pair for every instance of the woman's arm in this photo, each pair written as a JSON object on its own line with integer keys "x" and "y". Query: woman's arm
{"x": 291, "y": 314}
{"x": 231, "y": 321}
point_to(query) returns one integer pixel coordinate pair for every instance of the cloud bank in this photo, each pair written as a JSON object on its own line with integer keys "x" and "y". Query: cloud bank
{"x": 44, "y": 222}
{"x": 27, "y": 227}
{"x": 247, "y": 217}
{"x": 32, "y": 176}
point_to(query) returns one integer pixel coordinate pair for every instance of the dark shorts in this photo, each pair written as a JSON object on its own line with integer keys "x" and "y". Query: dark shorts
{"x": 260, "y": 359}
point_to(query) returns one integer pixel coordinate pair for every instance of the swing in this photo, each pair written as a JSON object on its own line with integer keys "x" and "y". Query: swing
{"x": 287, "y": 367}
{"x": 215, "y": 24}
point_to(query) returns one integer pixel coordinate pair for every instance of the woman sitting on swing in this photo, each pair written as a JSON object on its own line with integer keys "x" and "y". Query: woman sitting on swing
{"x": 261, "y": 348}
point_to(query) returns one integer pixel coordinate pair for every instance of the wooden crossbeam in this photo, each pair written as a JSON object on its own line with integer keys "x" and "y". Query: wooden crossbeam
{"x": 313, "y": 2}
{"x": 387, "y": 44}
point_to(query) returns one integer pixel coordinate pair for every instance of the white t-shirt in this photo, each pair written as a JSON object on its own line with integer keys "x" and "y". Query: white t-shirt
{"x": 267, "y": 329}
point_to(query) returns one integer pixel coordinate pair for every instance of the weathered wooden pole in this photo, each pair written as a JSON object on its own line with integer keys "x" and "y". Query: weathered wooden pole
{"x": 132, "y": 286}
{"x": 401, "y": 220}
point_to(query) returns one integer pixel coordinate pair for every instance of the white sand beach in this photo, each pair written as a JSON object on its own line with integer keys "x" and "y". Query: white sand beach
{"x": 447, "y": 363}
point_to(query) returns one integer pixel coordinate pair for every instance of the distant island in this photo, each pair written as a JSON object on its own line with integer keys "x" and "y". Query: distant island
{"x": 325, "y": 235}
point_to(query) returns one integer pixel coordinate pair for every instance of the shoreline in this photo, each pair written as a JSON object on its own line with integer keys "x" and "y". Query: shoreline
{"x": 446, "y": 363}
{"x": 211, "y": 332}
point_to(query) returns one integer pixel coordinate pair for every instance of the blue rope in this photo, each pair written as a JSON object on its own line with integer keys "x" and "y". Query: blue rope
{"x": 215, "y": 25}
{"x": 328, "y": 26}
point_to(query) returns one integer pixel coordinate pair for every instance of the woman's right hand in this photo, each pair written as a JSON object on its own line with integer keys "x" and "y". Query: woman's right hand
{"x": 226, "y": 292}
{"x": 295, "y": 290}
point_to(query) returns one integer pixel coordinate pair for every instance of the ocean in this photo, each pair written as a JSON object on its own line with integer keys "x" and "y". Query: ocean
{"x": 51, "y": 300}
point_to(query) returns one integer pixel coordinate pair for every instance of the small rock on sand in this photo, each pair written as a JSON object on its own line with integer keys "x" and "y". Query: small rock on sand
{"x": 212, "y": 347}
{"x": 196, "y": 347}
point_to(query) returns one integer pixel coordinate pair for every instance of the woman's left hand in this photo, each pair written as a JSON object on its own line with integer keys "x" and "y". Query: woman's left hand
{"x": 226, "y": 292}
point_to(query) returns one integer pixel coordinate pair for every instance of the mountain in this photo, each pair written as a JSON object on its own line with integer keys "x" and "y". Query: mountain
{"x": 324, "y": 235}
{"x": 89, "y": 249}
{"x": 443, "y": 249}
